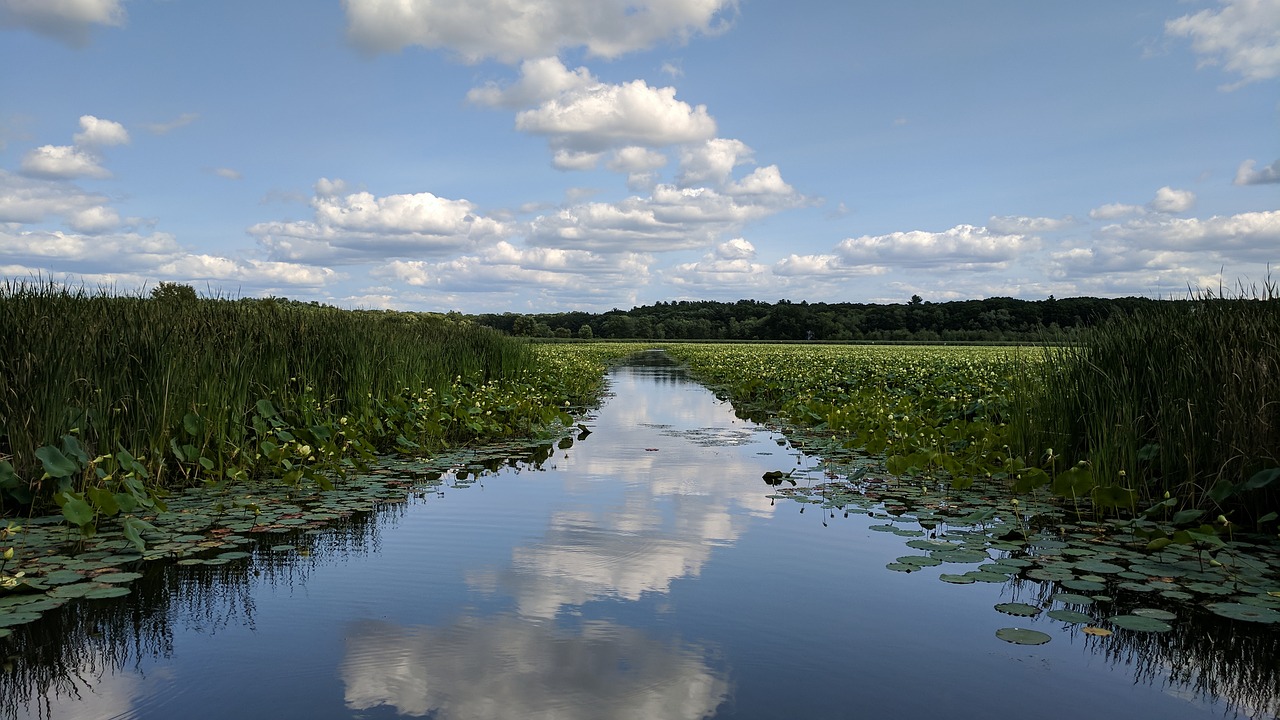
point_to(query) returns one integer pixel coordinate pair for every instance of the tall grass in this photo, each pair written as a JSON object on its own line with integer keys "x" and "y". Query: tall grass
{"x": 124, "y": 371}
{"x": 1180, "y": 397}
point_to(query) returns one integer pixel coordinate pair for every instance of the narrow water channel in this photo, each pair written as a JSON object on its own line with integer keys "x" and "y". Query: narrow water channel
{"x": 642, "y": 572}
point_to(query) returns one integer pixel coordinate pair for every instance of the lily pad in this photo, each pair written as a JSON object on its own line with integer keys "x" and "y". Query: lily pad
{"x": 1021, "y": 636}
{"x": 1069, "y": 616}
{"x": 956, "y": 579}
{"x": 1138, "y": 623}
{"x": 115, "y": 578}
{"x": 1156, "y": 613}
{"x": 109, "y": 591}
{"x": 1096, "y": 631}
{"x": 1019, "y": 609}
{"x": 1073, "y": 599}
{"x": 1083, "y": 585}
{"x": 1248, "y": 613}
{"x": 11, "y": 619}
{"x": 1098, "y": 567}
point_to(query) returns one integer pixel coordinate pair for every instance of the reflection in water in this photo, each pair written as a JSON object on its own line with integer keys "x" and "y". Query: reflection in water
{"x": 674, "y": 510}
{"x": 507, "y": 667}
{"x": 642, "y": 572}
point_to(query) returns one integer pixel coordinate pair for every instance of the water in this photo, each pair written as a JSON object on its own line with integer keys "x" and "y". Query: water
{"x": 641, "y": 573}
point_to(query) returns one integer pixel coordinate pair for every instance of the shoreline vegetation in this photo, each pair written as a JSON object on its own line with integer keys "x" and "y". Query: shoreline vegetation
{"x": 110, "y": 402}
{"x": 1168, "y": 408}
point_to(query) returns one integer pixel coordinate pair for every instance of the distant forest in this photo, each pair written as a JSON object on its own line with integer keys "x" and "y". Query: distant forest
{"x": 992, "y": 319}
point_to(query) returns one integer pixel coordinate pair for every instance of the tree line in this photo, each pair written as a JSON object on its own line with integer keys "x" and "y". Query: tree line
{"x": 986, "y": 320}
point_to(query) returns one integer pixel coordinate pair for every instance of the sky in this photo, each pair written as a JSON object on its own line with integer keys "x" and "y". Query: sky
{"x": 553, "y": 155}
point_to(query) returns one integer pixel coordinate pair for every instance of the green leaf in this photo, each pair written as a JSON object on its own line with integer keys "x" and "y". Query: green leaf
{"x": 55, "y": 463}
{"x": 177, "y": 450}
{"x": 1186, "y": 517}
{"x": 266, "y": 409}
{"x": 1262, "y": 479}
{"x": 1267, "y": 518}
{"x": 1222, "y": 490}
{"x": 71, "y": 448}
{"x": 193, "y": 424}
{"x": 104, "y": 500}
{"x": 76, "y": 510}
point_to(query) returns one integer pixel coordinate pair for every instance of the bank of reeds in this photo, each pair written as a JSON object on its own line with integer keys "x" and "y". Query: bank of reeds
{"x": 1179, "y": 397}
{"x": 125, "y": 371}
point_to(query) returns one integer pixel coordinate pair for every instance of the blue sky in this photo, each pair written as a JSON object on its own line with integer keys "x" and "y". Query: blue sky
{"x": 545, "y": 155}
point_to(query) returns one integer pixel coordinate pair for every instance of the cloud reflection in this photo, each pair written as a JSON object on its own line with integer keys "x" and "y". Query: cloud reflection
{"x": 504, "y": 667}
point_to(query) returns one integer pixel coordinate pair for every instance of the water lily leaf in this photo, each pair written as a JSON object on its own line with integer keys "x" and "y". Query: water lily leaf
{"x": 1248, "y": 613}
{"x": 1073, "y": 599}
{"x": 956, "y": 579}
{"x": 1069, "y": 616}
{"x": 1138, "y": 623}
{"x": 63, "y": 577}
{"x": 110, "y": 591}
{"x": 1096, "y": 631}
{"x": 1019, "y": 609}
{"x": 120, "y": 577}
{"x": 55, "y": 463}
{"x": 10, "y": 619}
{"x": 1020, "y": 636}
{"x": 1083, "y": 585}
{"x": 1156, "y": 613}
{"x": 1099, "y": 567}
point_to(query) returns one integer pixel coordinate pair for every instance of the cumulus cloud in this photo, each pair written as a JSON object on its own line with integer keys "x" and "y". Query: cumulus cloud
{"x": 540, "y": 80}
{"x": 1243, "y": 36}
{"x": 96, "y": 132}
{"x": 92, "y": 220}
{"x": 512, "y": 30}
{"x": 33, "y": 200}
{"x": 360, "y": 226}
{"x": 601, "y": 116}
{"x": 1111, "y": 211}
{"x": 66, "y": 20}
{"x": 671, "y": 218}
{"x": 1246, "y": 236}
{"x": 575, "y": 160}
{"x": 730, "y": 265}
{"x": 640, "y": 164}
{"x": 1168, "y": 200}
{"x": 824, "y": 266}
{"x": 711, "y": 161}
{"x": 1016, "y": 224}
{"x": 1247, "y": 175}
{"x": 64, "y": 162}
{"x": 964, "y": 246}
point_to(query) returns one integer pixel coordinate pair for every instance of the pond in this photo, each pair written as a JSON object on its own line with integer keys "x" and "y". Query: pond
{"x": 642, "y": 571}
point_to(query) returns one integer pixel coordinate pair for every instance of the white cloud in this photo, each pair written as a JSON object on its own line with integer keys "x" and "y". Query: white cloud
{"x": 1112, "y": 211}
{"x": 1247, "y": 175}
{"x": 640, "y": 164}
{"x": 712, "y": 161}
{"x": 1168, "y": 200}
{"x": 504, "y": 265}
{"x": 824, "y": 266}
{"x": 1017, "y": 224}
{"x": 672, "y": 218}
{"x": 633, "y": 159}
{"x": 96, "y": 132}
{"x": 62, "y": 162}
{"x": 361, "y": 226}
{"x": 730, "y": 265}
{"x": 181, "y": 121}
{"x": 92, "y": 220}
{"x": 540, "y": 80}
{"x": 227, "y": 173}
{"x": 1243, "y": 36}
{"x": 963, "y": 246}
{"x": 1247, "y": 236}
{"x": 598, "y": 117}
{"x": 575, "y": 160}
{"x": 512, "y": 30}
{"x": 65, "y": 20}
{"x": 32, "y": 200}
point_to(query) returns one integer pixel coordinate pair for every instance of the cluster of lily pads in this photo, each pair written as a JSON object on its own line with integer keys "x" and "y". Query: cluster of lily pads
{"x": 1099, "y": 575}
{"x": 54, "y": 564}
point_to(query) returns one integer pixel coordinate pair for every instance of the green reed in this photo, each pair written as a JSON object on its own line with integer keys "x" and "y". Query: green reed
{"x": 126, "y": 371}
{"x": 1182, "y": 397}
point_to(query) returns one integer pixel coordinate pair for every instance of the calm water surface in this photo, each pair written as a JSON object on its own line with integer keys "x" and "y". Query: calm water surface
{"x": 641, "y": 573}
